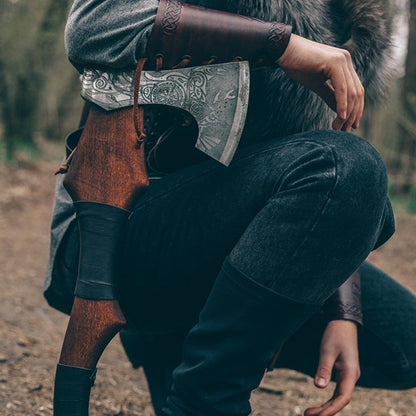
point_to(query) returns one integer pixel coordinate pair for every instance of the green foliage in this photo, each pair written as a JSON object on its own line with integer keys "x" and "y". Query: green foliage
{"x": 402, "y": 202}
{"x": 412, "y": 201}
{"x": 39, "y": 90}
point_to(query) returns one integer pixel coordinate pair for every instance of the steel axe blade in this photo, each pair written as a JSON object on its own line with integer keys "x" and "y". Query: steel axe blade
{"x": 215, "y": 95}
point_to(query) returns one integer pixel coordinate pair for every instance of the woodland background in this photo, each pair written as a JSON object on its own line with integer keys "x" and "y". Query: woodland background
{"x": 39, "y": 90}
{"x": 39, "y": 105}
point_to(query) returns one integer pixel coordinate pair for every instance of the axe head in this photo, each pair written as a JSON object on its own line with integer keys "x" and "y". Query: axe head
{"x": 215, "y": 95}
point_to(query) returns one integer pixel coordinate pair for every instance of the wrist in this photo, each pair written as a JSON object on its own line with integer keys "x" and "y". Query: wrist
{"x": 342, "y": 323}
{"x": 341, "y": 333}
{"x": 289, "y": 50}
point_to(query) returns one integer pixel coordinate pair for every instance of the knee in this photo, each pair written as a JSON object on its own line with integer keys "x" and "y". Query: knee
{"x": 339, "y": 160}
{"x": 406, "y": 378}
{"x": 401, "y": 376}
{"x": 360, "y": 168}
{"x": 358, "y": 198}
{"x": 345, "y": 168}
{"x": 361, "y": 176}
{"x": 390, "y": 374}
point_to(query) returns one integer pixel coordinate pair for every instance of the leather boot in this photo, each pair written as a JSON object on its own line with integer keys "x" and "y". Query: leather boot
{"x": 240, "y": 328}
{"x": 185, "y": 34}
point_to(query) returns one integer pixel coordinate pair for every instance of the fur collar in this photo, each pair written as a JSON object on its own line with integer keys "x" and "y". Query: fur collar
{"x": 280, "y": 106}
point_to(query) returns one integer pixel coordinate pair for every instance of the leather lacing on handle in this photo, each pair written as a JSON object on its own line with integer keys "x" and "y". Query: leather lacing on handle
{"x": 137, "y": 118}
{"x": 154, "y": 149}
{"x": 65, "y": 164}
{"x": 138, "y": 113}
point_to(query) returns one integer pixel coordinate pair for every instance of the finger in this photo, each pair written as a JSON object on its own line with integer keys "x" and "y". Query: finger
{"x": 359, "y": 93}
{"x": 330, "y": 408}
{"x": 337, "y": 77}
{"x": 326, "y": 92}
{"x": 361, "y": 98}
{"x": 334, "y": 406}
{"x": 326, "y": 364}
{"x": 355, "y": 94}
{"x": 338, "y": 123}
{"x": 314, "y": 411}
{"x": 352, "y": 106}
{"x": 343, "y": 395}
{"x": 352, "y": 93}
{"x": 347, "y": 126}
{"x": 356, "y": 123}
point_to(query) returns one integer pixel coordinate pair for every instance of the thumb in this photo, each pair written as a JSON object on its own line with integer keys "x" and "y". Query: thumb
{"x": 324, "y": 371}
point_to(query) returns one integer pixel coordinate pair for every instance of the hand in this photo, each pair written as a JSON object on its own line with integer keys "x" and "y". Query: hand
{"x": 339, "y": 350}
{"x": 329, "y": 72}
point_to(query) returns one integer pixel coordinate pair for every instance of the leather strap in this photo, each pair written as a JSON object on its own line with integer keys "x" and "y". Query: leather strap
{"x": 138, "y": 112}
{"x": 186, "y": 34}
{"x": 72, "y": 390}
{"x": 100, "y": 227}
{"x": 345, "y": 303}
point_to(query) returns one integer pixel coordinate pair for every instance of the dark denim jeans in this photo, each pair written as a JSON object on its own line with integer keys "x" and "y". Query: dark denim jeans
{"x": 387, "y": 342}
{"x": 298, "y": 215}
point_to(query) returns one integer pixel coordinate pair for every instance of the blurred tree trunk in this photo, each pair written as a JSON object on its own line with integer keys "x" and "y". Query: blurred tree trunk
{"x": 31, "y": 34}
{"x": 392, "y": 127}
{"x": 407, "y": 119}
{"x": 59, "y": 84}
{"x": 6, "y": 114}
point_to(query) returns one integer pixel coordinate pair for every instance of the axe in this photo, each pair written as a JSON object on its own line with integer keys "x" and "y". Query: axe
{"x": 108, "y": 174}
{"x": 215, "y": 95}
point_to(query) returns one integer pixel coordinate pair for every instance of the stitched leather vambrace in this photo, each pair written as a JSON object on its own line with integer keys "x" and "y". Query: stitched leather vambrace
{"x": 186, "y": 34}
{"x": 345, "y": 303}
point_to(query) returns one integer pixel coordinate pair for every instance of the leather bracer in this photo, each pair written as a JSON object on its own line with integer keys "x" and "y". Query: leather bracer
{"x": 195, "y": 35}
{"x": 345, "y": 303}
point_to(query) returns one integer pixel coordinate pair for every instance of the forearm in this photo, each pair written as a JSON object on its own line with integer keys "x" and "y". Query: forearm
{"x": 110, "y": 34}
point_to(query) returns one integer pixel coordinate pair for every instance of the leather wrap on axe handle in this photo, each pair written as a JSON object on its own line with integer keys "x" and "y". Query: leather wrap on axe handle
{"x": 106, "y": 176}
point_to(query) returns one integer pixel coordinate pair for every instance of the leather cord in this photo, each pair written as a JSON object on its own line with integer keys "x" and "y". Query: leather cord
{"x": 138, "y": 113}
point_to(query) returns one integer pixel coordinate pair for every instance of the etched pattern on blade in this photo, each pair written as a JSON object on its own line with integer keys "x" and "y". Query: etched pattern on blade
{"x": 216, "y": 96}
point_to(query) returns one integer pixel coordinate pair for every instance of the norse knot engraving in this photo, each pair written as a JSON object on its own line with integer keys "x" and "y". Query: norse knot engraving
{"x": 350, "y": 309}
{"x": 276, "y": 33}
{"x": 171, "y": 17}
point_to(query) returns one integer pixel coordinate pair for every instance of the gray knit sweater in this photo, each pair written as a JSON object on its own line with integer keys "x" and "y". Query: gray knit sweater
{"x": 109, "y": 33}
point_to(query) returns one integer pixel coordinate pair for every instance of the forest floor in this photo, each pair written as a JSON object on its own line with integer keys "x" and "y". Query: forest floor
{"x": 31, "y": 332}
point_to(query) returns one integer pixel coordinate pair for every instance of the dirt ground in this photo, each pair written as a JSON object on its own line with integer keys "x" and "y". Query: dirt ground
{"x": 31, "y": 332}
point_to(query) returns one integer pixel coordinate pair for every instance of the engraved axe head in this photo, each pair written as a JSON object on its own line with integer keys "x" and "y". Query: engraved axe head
{"x": 215, "y": 95}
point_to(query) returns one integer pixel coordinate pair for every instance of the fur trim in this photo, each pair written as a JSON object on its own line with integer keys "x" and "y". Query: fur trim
{"x": 280, "y": 106}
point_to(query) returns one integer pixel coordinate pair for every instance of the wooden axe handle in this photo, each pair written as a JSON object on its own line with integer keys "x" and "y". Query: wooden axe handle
{"x": 107, "y": 168}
